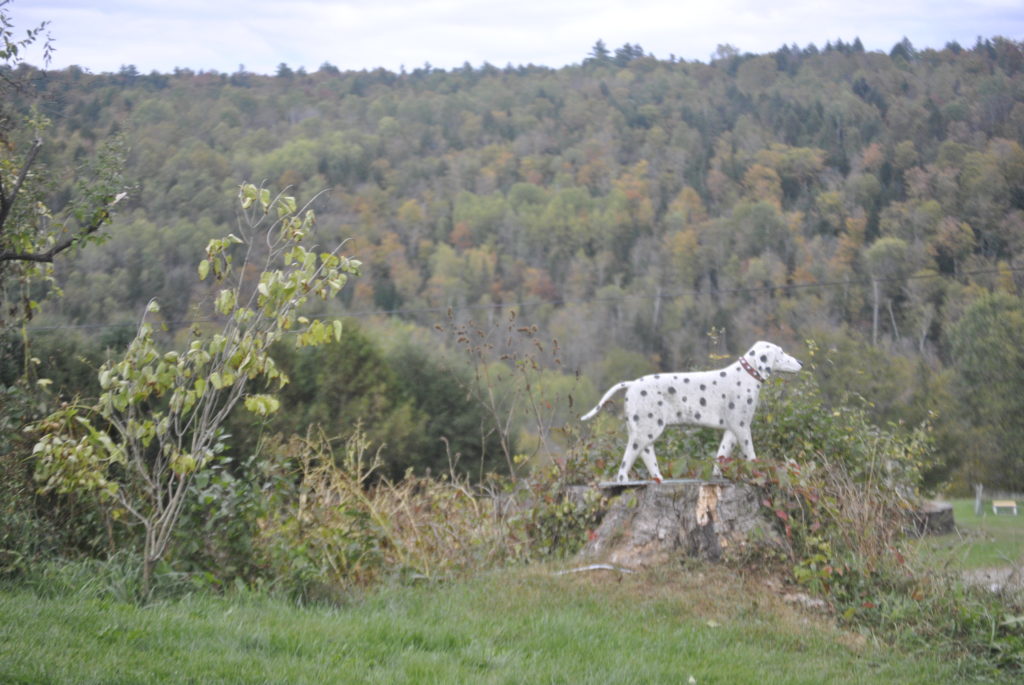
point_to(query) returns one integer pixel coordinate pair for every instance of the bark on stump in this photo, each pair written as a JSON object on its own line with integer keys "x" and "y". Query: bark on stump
{"x": 655, "y": 523}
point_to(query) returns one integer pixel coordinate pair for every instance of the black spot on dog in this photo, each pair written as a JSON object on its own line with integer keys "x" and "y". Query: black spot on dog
{"x": 660, "y": 422}
{"x": 671, "y": 391}
{"x": 636, "y": 446}
{"x": 636, "y": 417}
{"x": 679, "y": 414}
{"x": 703, "y": 402}
{"x": 686, "y": 380}
{"x": 650, "y": 416}
{"x": 721, "y": 422}
{"x": 703, "y": 387}
{"x": 722, "y": 374}
{"x": 697, "y": 416}
{"x": 764, "y": 357}
{"x": 732, "y": 405}
{"x": 750, "y": 400}
{"x": 742, "y": 424}
{"x": 643, "y": 393}
{"x": 751, "y": 353}
{"x": 650, "y": 437}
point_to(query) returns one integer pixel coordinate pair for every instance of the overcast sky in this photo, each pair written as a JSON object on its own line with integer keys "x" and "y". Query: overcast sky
{"x": 222, "y": 35}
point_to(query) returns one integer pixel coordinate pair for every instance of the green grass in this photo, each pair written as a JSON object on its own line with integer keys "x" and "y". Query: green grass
{"x": 507, "y": 627}
{"x": 980, "y": 541}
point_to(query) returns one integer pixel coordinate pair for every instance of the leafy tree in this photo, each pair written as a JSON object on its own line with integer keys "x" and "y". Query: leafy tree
{"x": 452, "y": 437}
{"x": 987, "y": 350}
{"x": 599, "y": 53}
{"x": 903, "y": 50}
{"x": 31, "y": 234}
{"x": 158, "y": 420}
{"x": 888, "y": 263}
{"x": 36, "y": 225}
{"x": 344, "y": 383}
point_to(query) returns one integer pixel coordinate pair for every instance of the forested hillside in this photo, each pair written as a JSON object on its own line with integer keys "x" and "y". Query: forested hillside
{"x": 643, "y": 212}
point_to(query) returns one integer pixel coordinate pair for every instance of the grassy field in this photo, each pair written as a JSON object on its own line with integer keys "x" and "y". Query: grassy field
{"x": 524, "y": 626}
{"x": 984, "y": 541}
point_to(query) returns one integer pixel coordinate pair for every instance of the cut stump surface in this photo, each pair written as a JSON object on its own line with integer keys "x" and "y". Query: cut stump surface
{"x": 649, "y": 523}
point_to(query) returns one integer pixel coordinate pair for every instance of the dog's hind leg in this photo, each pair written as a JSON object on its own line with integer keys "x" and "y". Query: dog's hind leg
{"x": 651, "y": 462}
{"x": 632, "y": 452}
{"x": 639, "y": 447}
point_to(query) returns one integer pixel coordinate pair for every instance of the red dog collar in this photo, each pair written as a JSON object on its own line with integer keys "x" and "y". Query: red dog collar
{"x": 751, "y": 370}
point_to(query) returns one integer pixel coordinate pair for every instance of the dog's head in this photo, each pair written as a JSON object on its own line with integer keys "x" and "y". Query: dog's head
{"x": 768, "y": 357}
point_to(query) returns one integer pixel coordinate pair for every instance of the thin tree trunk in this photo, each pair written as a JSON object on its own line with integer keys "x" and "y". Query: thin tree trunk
{"x": 148, "y": 562}
{"x": 892, "y": 318}
{"x": 874, "y": 312}
{"x": 927, "y": 324}
{"x": 657, "y": 310}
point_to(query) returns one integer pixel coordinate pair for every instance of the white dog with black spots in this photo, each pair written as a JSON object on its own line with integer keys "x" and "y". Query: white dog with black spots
{"x": 725, "y": 399}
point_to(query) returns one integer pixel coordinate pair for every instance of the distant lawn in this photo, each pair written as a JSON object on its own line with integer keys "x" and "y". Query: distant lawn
{"x": 507, "y": 627}
{"x": 982, "y": 541}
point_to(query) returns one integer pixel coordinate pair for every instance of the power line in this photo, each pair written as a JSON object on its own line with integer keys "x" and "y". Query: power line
{"x": 497, "y": 306}
{"x": 820, "y": 285}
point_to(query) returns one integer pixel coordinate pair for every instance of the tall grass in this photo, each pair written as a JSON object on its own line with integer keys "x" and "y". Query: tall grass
{"x": 344, "y": 526}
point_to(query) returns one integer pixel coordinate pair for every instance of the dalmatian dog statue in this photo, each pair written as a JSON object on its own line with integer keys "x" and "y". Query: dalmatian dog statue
{"x": 725, "y": 399}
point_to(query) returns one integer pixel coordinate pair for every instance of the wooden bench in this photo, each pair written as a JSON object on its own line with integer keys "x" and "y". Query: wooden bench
{"x": 1008, "y": 504}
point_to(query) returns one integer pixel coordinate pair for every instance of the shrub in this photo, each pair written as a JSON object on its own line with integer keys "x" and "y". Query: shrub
{"x": 216, "y": 536}
{"x": 36, "y": 527}
{"x": 342, "y": 525}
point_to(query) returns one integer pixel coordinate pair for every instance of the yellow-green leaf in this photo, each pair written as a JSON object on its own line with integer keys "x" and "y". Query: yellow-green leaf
{"x": 262, "y": 405}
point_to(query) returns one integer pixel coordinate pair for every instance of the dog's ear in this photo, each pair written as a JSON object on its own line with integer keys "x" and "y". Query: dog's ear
{"x": 766, "y": 355}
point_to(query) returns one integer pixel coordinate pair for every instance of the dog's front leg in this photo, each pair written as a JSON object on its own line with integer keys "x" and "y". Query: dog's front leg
{"x": 746, "y": 443}
{"x": 725, "y": 449}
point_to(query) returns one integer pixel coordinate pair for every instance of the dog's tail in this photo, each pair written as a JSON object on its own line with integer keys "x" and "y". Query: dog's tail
{"x": 604, "y": 400}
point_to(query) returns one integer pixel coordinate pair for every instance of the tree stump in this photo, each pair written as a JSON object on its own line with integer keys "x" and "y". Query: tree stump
{"x": 934, "y": 518}
{"x": 648, "y": 523}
